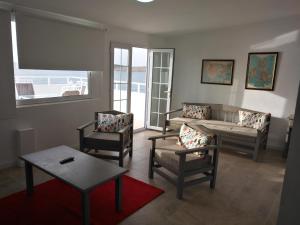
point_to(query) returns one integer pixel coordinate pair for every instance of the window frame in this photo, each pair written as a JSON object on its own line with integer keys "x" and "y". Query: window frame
{"x": 48, "y": 100}
{"x": 58, "y": 99}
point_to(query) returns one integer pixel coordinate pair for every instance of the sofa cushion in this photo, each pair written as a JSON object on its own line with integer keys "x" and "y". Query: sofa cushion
{"x": 252, "y": 119}
{"x": 227, "y": 127}
{"x": 191, "y": 138}
{"x": 215, "y": 125}
{"x": 180, "y": 120}
{"x": 196, "y": 111}
{"x": 107, "y": 122}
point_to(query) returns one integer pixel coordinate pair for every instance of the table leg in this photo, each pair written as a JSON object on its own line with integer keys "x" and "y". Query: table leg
{"x": 118, "y": 193}
{"x": 85, "y": 208}
{"x": 29, "y": 178}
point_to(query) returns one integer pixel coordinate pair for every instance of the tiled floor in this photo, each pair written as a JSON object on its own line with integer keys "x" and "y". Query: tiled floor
{"x": 246, "y": 193}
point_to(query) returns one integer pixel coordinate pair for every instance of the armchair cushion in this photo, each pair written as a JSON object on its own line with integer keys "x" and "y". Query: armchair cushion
{"x": 104, "y": 136}
{"x": 107, "y": 122}
{"x": 196, "y": 111}
{"x": 191, "y": 138}
{"x": 170, "y": 161}
{"x": 252, "y": 119}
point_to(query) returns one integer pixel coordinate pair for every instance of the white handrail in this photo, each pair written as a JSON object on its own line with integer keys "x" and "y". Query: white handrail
{"x": 69, "y": 81}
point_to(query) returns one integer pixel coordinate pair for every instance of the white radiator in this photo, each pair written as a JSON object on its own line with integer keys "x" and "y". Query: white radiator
{"x": 26, "y": 143}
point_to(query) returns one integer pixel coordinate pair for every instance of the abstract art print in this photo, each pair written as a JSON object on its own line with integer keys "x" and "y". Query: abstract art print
{"x": 261, "y": 71}
{"x": 217, "y": 71}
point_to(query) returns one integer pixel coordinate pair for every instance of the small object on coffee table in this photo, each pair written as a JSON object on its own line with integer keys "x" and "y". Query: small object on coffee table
{"x": 67, "y": 160}
{"x": 83, "y": 178}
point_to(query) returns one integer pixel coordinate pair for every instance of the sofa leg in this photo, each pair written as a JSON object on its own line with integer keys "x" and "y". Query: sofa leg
{"x": 255, "y": 153}
{"x": 164, "y": 125}
{"x": 265, "y": 144}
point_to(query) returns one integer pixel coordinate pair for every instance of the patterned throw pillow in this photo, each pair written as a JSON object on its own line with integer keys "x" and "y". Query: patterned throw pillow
{"x": 202, "y": 112}
{"x": 123, "y": 120}
{"x": 191, "y": 138}
{"x": 107, "y": 122}
{"x": 252, "y": 119}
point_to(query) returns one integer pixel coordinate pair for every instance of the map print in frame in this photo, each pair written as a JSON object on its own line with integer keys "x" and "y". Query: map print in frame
{"x": 217, "y": 71}
{"x": 261, "y": 71}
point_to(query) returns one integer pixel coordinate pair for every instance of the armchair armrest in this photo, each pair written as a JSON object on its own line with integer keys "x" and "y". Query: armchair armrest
{"x": 124, "y": 129}
{"x": 162, "y": 136}
{"x": 202, "y": 149}
{"x": 86, "y": 125}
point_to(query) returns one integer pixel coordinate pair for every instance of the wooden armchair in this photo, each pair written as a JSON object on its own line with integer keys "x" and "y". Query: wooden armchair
{"x": 182, "y": 162}
{"x": 119, "y": 141}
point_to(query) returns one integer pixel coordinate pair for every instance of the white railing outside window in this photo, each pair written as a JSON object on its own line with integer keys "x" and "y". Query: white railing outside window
{"x": 41, "y": 86}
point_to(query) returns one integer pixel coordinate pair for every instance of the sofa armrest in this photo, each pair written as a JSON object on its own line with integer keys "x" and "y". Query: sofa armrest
{"x": 162, "y": 136}
{"x": 172, "y": 111}
{"x": 165, "y": 115}
{"x": 263, "y": 127}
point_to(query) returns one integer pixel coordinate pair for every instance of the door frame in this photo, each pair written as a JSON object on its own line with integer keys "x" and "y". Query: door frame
{"x": 111, "y": 78}
{"x": 149, "y": 84}
{"x": 114, "y": 45}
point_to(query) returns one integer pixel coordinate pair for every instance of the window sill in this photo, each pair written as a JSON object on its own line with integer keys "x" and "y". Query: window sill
{"x": 51, "y": 101}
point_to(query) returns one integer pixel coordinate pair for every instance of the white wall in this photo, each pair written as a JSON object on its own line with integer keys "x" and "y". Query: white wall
{"x": 55, "y": 124}
{"x": 235, "y": 43}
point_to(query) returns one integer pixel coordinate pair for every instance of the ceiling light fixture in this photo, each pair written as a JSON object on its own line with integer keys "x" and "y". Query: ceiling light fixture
{"x": 145, "y": 1}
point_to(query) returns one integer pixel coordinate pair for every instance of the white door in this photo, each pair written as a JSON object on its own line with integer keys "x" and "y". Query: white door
{"x": 160, "y": 86}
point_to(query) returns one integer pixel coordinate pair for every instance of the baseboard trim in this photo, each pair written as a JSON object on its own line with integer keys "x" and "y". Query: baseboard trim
{"x": 8, "y": 164}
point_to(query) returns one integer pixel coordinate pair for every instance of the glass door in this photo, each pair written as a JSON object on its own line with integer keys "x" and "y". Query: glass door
{"x": 160, "y": 86}
{"x": 121, "y": 77}
{"x": 138, "y": 86}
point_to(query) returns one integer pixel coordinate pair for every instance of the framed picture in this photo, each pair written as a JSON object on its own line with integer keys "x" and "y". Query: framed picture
{"x": 261, "y": 70}
{"x": 217, "y": 71}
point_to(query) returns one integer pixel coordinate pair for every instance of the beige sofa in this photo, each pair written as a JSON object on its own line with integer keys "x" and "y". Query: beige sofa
{"x": 224, "y": 122}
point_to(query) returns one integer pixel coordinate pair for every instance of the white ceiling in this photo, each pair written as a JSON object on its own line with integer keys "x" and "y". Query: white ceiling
{"x": 170, "y": 16}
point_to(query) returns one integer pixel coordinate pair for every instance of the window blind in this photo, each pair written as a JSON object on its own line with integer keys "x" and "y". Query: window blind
{"x": 7, "y": 90}
{"x": 46, "y": 43}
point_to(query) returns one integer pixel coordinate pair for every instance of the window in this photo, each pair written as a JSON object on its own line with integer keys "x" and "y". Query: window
{"x": 39, "y": 86}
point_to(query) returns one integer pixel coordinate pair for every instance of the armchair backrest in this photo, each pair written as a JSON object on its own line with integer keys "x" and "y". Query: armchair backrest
{"x": 112, "y": 112}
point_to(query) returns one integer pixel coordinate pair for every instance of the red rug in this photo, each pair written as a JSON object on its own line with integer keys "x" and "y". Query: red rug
{"x": 55, "y": 203}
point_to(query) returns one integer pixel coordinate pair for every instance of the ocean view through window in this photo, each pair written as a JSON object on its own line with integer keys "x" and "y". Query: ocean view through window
{"x": 34, "y": 85}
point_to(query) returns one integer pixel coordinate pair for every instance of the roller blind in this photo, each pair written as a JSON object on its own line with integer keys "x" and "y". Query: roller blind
{"x": 7, "y": 90}
{"x": 45, "y": 43}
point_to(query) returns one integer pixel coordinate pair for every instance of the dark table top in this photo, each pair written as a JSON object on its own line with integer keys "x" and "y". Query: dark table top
{"x": 84, "y": 173}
